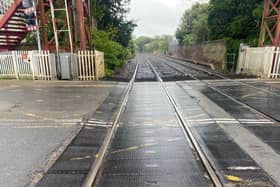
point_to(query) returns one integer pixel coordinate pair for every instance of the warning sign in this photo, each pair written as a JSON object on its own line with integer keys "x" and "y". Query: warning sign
{"x": 25, "y": 57}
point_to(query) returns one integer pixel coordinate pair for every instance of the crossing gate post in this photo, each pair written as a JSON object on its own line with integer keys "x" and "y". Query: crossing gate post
{"x": 31, "y": 54}
{"x": 13, "y": 53}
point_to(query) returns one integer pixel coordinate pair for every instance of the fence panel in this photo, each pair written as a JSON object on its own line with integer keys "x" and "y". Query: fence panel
{"x": 42, "y": 65}
{"x": 86, "y": 65}
{"x": 8, "y": 70}
{"x": 27, "y": 65}
{"x": 258, "y": 61}
{"x": 24, "y": 65}
{"x": 275, "y": 65}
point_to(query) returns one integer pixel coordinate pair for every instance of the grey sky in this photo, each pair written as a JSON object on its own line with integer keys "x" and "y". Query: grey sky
{"x": 157, "y": 17}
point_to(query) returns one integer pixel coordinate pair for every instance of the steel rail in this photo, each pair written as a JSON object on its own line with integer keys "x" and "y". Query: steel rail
{"x": 93, "y": 173}
{"x": 271, "y": 118}
{"x": 217, "y": 75}
{"x": 206, "y": 163}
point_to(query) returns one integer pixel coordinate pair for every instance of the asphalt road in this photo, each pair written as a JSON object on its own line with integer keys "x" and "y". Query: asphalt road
{"x": 36, "y": 118}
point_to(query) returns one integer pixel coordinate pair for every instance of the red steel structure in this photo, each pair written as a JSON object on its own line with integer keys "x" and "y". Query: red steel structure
{"x": 13, "y": 29}
{"x": 270, "y": 29}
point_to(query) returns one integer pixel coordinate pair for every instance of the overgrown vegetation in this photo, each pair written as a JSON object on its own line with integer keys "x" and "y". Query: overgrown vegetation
{"x": 158, "y": 44}
{"x": 113, "y": 33}
{"x": 115, "y": 54}
{"x": 235, "y": 21}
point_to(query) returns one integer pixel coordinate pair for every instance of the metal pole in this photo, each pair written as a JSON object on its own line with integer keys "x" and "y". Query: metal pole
{"x": 43, "y": 26}
{"x": 80, "y": 12}
{"x": 37, "y": 25}
{"x": 54, "y": 27}
{"x": 55, "y": 37}
{"x": 69, "y": 28}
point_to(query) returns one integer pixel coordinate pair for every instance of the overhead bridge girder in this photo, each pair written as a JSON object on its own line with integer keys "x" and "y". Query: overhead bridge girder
{"x": 270, "y": 28}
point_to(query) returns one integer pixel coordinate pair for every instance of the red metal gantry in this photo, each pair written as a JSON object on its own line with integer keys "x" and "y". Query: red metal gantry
{"x": 270, "y": 29}
{"x": 13, "y": 30}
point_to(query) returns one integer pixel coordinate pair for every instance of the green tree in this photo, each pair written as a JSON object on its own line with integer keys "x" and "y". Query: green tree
{"x": 111, "y": 16}
{"x": 194, "y": 25}
{"x": 235, "y": 20}
{"x": 115, "y": 54}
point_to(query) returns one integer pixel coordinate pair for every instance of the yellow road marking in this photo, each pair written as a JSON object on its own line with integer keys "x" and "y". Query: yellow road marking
{"x": 134, "y": 148}
{"x": 81, "y": 158}
{"x": 233, "y": 178}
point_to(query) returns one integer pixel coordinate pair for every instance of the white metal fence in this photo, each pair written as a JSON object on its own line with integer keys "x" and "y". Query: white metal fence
{"x": 90, "y": 65}
{"x": 86, "y": 65}
{"x": 41, "y": 65}
{"x": 27, "y": 65}
{"x": 7, "y": 66}
{"x": 259, "y": 61}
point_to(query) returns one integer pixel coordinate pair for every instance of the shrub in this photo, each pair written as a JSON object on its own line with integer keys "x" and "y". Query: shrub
{"x": 114, "y": 53}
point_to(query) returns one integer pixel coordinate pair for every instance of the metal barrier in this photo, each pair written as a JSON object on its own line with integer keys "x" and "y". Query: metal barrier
{"x": 259, "y": 61}
{"x": 7, "y": 66}
{"x": 86, "y": 65}
{"x": 90, "y": 65}
{"x": 275, "y": 65}
{"x": 36, "y": 65}
{"x": 41, "y": 65}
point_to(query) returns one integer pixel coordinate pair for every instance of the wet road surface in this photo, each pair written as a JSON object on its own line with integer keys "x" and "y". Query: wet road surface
{"x": 36, "y": 118}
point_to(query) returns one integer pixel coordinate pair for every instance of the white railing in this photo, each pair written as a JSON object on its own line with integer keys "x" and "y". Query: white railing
{"x": 41, "y": 65}
{"x": 259, "y": 61}
{"x": 86, "y": 65}
{"x": 23, "y": 67}
{"x": 275, "y": 65}
{"x": 36, "y": 65}
{"x": 7, "y": 66}
{"x": 90, "y": 65}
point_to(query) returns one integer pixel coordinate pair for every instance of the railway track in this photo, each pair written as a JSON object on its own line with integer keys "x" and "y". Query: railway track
{"x": 189, "y": 135}
{"x": 214, "y": 74}
{"x": 180, "y": 67}
{"x": 140, "y": 147}
{"x": 93, "y": 173}
{"x": 94, "y": 177}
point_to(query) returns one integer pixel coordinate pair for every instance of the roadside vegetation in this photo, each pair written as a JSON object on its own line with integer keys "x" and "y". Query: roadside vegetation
{"x": 113, "y": 32}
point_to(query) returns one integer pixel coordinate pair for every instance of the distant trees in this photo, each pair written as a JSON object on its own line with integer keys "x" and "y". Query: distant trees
{"x": 141, "y": 41}
{"x": 194, "y": 25}
{"x": 158, "y": 44}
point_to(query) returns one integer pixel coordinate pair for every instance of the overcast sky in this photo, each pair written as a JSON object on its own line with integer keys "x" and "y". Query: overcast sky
{"x": 157, "y": 17}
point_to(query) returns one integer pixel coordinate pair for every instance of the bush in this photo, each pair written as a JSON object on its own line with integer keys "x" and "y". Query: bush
{"x": 114, "y": 53}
